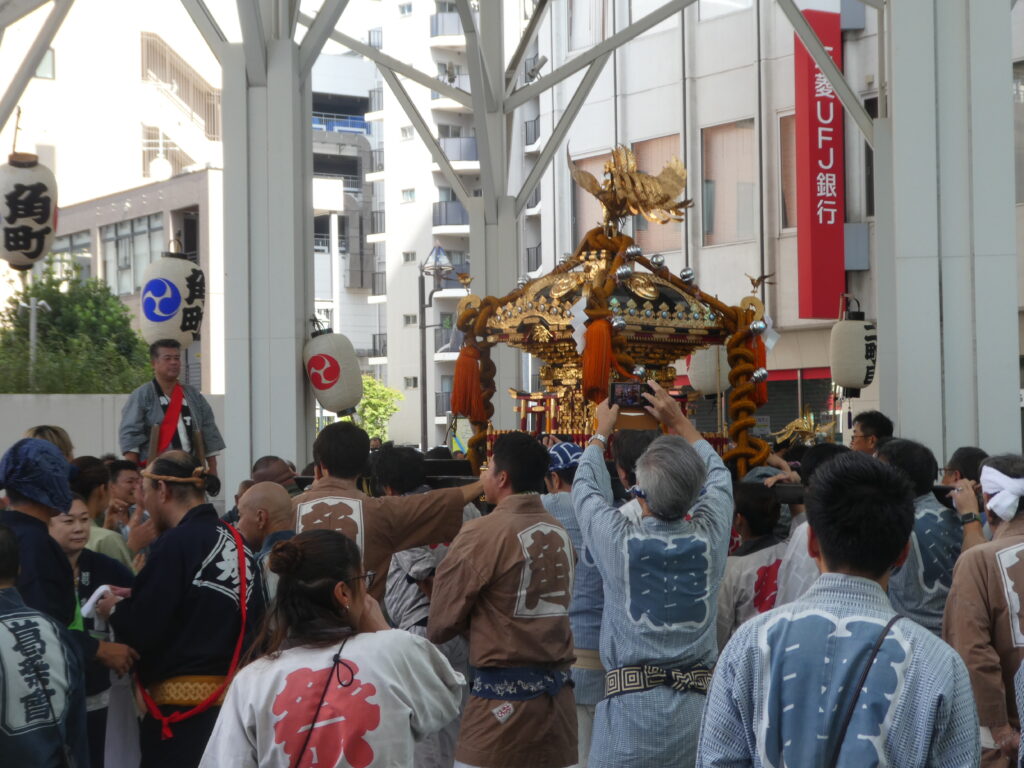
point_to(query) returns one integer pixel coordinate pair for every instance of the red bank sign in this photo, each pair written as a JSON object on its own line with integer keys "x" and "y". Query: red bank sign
{"x": 820, "y": 199}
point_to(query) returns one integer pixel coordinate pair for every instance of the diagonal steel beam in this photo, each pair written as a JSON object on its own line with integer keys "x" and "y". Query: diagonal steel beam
{"x": 12, "y": 10}
{"x": 560, "y": 131}
{"x": 254, "y": 41}
{"x": 383, "y": 61}
{"x": 512, "y": 71}
{"x": 582, "y": 61}
{"x": 318, "y": 32}
{"x": 425, "y": 134}
{"x": 850, "y": 100}
{"x": 206, "y": 24}
{"x": 33, "y": 56}
{"x": 474, "y": 58}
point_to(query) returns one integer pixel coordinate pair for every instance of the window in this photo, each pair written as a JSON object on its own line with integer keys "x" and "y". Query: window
{"x": 45, "y": 70}
{"x": 409, "y": 257}
{"x": 323, "y": 276}
{"x": 405, "y": 9}
{"x": 712, "y": 9}
{"x": 586, "y": 208}
{"x": 729, "y": 181}
{"x": 787, "y": 171}
{"x": 446, "y": 6}
{"x": 408, "y": 195}
{"x": 412, "y": 382}
{"x": 871, "y": 105}
{"x": 67, "y": 252}
{"x": 651, "y": 156}
{"x": 445, "y": 195}
{"x": 406, "y": 132}
{"x": 410, "y": 320}
{"x": 445, "y": 131}
{"x": 128, "y": 248}
{"x": 587, "y": 20}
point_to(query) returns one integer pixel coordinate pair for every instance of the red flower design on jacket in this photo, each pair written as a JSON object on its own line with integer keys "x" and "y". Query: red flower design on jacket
{"x": 342, "y": 723}
{"x": 766, "y": 586}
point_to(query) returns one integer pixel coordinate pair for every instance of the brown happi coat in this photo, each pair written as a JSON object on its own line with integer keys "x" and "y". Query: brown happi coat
{"x": 507, "y": 581}
{"x": 984, "y": 623}
{"x": 380, "y": 526}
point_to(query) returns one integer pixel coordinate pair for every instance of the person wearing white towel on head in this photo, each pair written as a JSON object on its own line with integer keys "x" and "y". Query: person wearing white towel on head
{"x": 983, "y": 619}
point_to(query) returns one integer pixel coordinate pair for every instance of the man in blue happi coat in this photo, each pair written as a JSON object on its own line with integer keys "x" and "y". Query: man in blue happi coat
{"x": 837, "y": 677}
{"x": 661, "y": 557}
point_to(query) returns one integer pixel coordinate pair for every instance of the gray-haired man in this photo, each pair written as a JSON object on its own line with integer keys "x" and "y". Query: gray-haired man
{"x": 661, "y": 557}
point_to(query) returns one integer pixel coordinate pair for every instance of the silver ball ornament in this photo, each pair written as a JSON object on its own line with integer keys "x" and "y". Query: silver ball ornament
{"x": 687, "y": 275}
{"x": 632, "y": 252}
{"x": 759, "y": 375}
{"x": 623, "y": 273}
{"x": 657, "y": 261}
{"x": 521, "y": 282}
{"x": 618, "y": 324}
{"x": 758, "y": 327}
{"x": 640, "y": 371}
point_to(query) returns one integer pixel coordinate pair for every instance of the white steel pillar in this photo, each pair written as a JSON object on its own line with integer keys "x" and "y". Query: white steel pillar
{"x": 268, "y": 251}
{"x": 947, "y": 264}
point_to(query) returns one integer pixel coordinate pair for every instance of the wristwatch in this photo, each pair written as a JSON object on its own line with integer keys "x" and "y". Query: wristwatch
{"x": 970, "y": 517}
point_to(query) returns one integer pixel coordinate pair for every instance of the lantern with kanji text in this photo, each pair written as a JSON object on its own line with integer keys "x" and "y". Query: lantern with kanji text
{"x": 28, "y": 210}
{"x": 173, "y": 299}
{"x": 852, "y": 352}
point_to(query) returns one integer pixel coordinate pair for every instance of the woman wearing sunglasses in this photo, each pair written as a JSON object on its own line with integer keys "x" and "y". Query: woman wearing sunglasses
{"x": 332, "y": 684}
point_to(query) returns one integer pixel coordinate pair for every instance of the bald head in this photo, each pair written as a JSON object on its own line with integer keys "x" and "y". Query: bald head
{"x": 264, "y": 509}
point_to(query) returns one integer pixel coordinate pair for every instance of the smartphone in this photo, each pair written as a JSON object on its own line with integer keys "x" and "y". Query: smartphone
{"x": 628, "y": 394}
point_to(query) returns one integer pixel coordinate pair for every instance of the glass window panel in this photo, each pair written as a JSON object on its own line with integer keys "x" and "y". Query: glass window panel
{"x": 787, "y": 171}
{"x": 110, "y": 264}
{"x": 588, "y": 209}
{"x": 651, "y": 156}
{"x": 729, "y": 175}
{"x": 124, "y": 228}
{"x": 712, "y": 9}
{"x": 322, "y": 276}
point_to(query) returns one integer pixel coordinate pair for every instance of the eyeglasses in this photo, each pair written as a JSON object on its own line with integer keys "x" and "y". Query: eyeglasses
{"x": 368, "y": 577}
{"x": 854, "y": 436}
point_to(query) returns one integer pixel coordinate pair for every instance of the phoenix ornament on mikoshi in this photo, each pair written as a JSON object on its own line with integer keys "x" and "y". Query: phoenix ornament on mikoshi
{"x": 629, "y": 191}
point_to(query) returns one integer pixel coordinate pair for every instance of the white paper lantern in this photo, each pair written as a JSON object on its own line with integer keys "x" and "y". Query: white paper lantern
{"x": 709, "y": 370}
{"x": 852, "y": 352}
{"x": 28, "y": 210}
{"x": 333, "y": 370}
{"x": 173, "y": 299}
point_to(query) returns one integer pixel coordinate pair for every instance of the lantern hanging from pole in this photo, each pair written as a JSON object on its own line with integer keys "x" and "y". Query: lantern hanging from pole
{"x": 709, "y": 370}
{"x": 333, "y": 370}
{"x": 28, "y": 210}
{"x": 852, "y": 351}
{"x": 173, "y": 299}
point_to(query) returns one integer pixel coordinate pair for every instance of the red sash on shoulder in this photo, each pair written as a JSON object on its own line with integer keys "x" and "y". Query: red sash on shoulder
{"x": 170, "y": 423}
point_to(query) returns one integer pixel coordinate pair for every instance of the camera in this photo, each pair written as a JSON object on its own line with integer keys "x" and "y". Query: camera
{"x": 628, "y": 394}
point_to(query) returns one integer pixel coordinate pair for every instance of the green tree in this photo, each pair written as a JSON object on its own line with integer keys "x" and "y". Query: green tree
{"x": 86, "y": 343}
{"x": 378, "y": 405}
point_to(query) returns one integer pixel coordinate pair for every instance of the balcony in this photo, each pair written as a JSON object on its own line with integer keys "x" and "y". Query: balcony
{"x": 335, "y": 123}
{"x": 322, "y": 243}
{"x": 353, "y": 185}
{"x": 446, "y": 30}
{"x": 462, "y": 154}
{"x": 443, "y": 103}
{"x": 533, "y": 202}
{"x": 376, "y": 170}
{"x": 531, "y": 131}
{"x": 380, "y": 345}
{"x": 376, "y": 234}
{"x": 442, "y": 403}
{"x": 451, "y": 218}
{"x": 451, "y": 281}
{"x": 447, "y": 340}
{"x": 533, "y": 256}
{"x": 376, "y": 100}
{"x": 380, "y": 283}
{"x": 375, "y": 38}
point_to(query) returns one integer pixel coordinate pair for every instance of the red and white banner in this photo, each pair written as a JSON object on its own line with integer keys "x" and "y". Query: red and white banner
{"x": 820, "y": 196}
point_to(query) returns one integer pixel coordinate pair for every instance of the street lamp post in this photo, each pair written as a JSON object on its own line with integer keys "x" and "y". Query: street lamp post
{"x": 436, "y": 265}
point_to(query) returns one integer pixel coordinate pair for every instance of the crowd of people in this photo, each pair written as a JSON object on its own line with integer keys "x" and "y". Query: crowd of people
{"x": 631, "y": 602}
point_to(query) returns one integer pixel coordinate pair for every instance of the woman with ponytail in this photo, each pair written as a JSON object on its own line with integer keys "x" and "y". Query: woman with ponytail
{"x": 332, "y": 684}
{"x": 194, "y": 610}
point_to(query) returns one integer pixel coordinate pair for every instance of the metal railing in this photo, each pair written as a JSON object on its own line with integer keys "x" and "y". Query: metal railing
{"x": 322, "y": 243}
{"x": 445, "y": 24}
{"x": 336, "y": 123}
{"x": 380, "y": 284}
{"x": 376, "y": 160}
{"x": 447, "y": 339}
{"x": 442, "y": 403}
{"x": 380, "y": 344}
{"x": 352, "y": 183}
{"x": 377, "y": 223}
{"x": 376, "y": 100}
{"x": 534, "y": 199}
{"x": 461, "y": 81}
{"x": 531, "y": 131}
{"x": 375, "y": 38}
{"x": 450, "y": 213}
{"x": 533, "y": 258}
{"x": 460, "y": 148}
{"x": 162, "y": 65}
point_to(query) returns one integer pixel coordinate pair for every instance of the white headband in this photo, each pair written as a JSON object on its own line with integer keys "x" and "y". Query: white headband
{"x": 1005, "y": 491}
